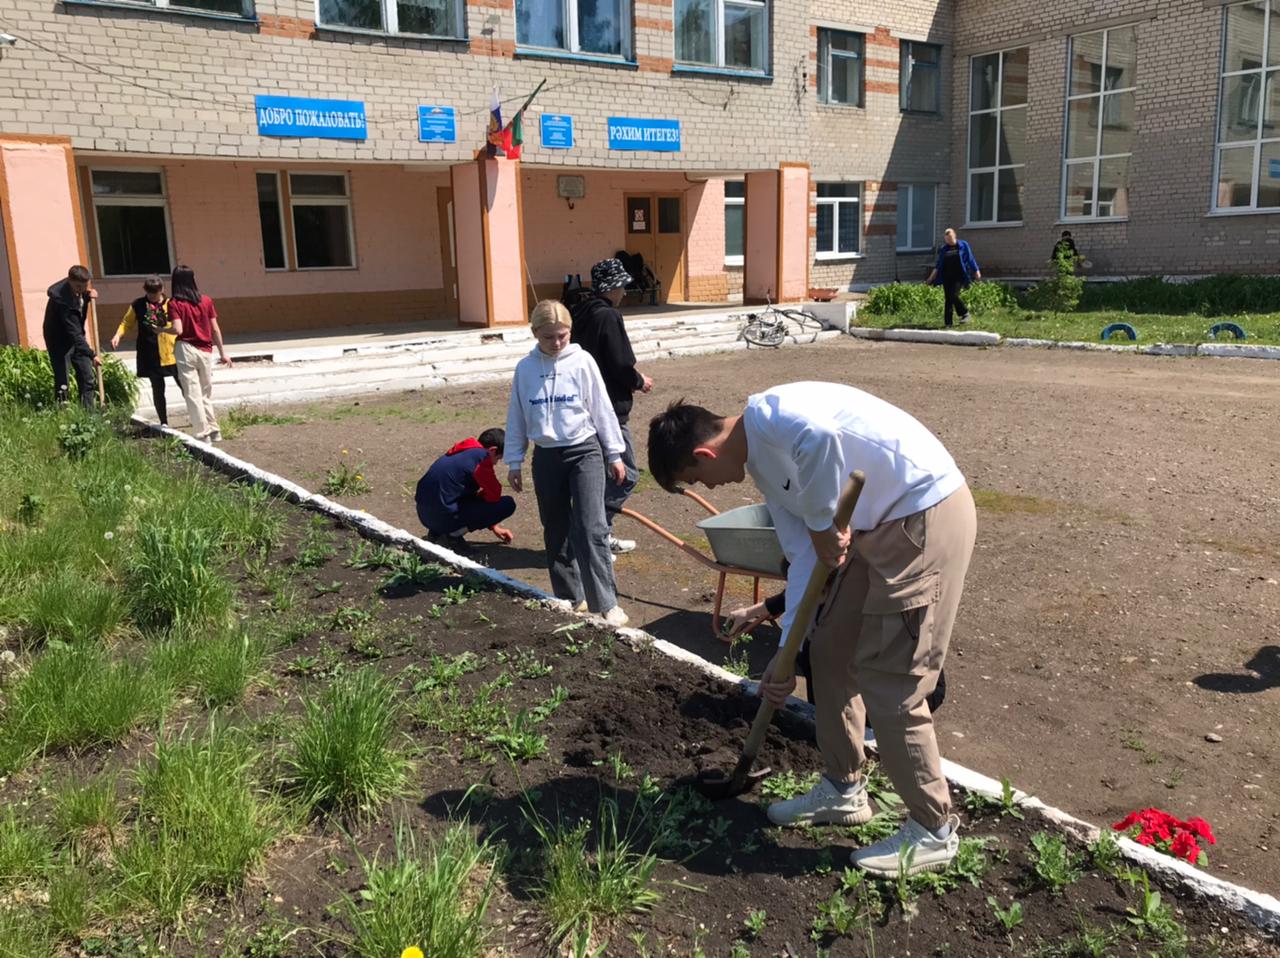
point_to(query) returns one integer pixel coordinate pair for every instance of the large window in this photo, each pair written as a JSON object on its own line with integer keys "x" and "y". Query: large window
{"x": 229, "y": 8}
{"x": 132, "y": 215}
{"x": 919, "y": 77}
{"x": 840, "y": 67}
{"x": 320, "y": 207}
{"x": 1100, "y": 120}
{"x": 432, "y": 18}
{"x": 916, "y": 203}
{"x": 722, "y": 33}
{"x": 997, "y": 135}
{"x": 735, "y": 224}
{"x": 839, "y": 220}
{"x": 577, "y": 26}
{"x": 1248, "y": 169}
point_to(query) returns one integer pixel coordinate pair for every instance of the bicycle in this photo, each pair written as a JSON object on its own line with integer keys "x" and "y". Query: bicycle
{"x": 772, "y": 327}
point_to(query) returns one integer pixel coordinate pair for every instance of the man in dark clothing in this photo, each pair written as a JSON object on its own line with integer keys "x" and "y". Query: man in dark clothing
{"x": 461, "y": 492}
{"x": 1067, "y": 245}
{"x": 64, "y": 338}
{"x": 599, "y": 330}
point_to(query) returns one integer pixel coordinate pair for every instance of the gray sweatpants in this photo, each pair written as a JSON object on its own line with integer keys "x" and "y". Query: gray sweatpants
{"x": 569, "y": 483}
{"x": 615, "y": 496}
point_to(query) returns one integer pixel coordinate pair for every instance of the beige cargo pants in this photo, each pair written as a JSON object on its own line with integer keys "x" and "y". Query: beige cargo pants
{"x": 879, "y": 644}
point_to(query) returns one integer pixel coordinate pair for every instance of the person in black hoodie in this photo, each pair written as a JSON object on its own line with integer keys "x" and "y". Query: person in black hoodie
{"x": 598, "y": 328}
{"x": 64, "y": 338}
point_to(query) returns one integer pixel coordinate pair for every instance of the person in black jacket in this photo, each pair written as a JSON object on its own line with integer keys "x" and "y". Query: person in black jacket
{"x": 64, "y": 338}
{"x": 599, "y": 330}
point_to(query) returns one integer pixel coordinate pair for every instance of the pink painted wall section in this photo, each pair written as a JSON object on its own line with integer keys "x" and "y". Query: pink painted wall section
{"x": 704, "y": 219}
{"x": 469, "y": 232}
{"x": 502, "y": 185}
{"x": 794, "y": 281}
{"x": 41, "y": 216}
{"x": 213, "y": 213}
{"x": 760, "y": 245}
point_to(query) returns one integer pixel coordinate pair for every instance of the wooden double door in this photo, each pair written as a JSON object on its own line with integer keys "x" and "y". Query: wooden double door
{"x": 655, "y": 229}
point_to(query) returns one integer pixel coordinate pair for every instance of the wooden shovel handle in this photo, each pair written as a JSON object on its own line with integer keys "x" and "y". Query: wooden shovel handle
{"x": 784, "y": 664}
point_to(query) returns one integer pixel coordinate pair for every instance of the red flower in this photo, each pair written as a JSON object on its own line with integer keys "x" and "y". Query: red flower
{"x": 1201, "y": 828}
{"x": 1186, "y": 846}
{"x": 1156, "y": 828}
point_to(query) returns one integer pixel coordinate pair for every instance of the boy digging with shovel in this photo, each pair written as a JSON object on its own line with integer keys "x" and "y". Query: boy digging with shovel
{"x": 879, "y": 643}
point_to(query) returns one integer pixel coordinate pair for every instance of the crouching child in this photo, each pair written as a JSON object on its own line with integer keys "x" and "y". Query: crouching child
{"x": 461, "y": 493}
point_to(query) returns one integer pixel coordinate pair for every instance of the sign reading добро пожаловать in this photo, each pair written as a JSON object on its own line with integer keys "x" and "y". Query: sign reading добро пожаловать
{"x": 636, "y": 133}
{"x": 302, "y": 116}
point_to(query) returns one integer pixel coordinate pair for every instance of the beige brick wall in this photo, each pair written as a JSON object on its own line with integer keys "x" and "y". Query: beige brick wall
{"x": 1169, "y": 229}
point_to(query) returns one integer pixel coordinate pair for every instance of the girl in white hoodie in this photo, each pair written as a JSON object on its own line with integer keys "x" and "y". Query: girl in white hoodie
{"x": 558, "y": 401}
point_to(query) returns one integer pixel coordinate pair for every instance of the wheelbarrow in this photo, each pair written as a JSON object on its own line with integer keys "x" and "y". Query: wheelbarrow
{"x": 743, "y": 542}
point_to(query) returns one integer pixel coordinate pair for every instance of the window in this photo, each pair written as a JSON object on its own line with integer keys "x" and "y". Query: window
{"x": 919, "y": 77}
{"x": 577, "y": 26}
{"x": 320, "y": 206}
{"x": 839, "y": 223}
{"x": 1100, "y": 122}
{"x": 997, "y": 135}
{"x": 840, "y": 67}
{"x": 432, "y": 18}
{"x": 735, "y": 209}
{"x": 229, "y": 8}
{"x": 1248, "y": 166}
{"x": 722, "y": 33}
{"x": 271, "y": 218}
{"x": 132, "y": 214}
{"x": 916, "y": 203}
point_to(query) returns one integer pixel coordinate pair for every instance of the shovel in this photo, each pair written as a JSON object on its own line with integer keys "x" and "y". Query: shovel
{"x": 713, "y": 783}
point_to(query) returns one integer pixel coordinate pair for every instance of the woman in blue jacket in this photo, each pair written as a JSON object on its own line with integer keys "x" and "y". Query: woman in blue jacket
{"x": 955, "y": 270}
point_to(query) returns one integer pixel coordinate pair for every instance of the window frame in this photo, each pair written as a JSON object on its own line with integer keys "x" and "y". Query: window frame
{"x": 248, "y": 9}
{"x": 573, "y": 43}
{"x": 906, "y": 75}
{"x": 304, "y": 200}
{"x": 910, "y": 190}
{"x": 143, "y": 199}
{"x": 286, "y": 231}
{"x": 740, "y": 201}
{"x": 837, "y": 202}
{"x": 825, "y": 63}
{"x": 391, "y": 22}
{"x": 1259, "y": 140}
{"x": 1096, "y": 158}
{"x": 998, "y": 110}
{"x": 718, "y": 39}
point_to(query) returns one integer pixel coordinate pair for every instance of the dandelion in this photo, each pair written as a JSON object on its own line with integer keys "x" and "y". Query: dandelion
{"x": 128, "y": 488}
{"x": 413, "y": 951}
{"x": 108, "y": 535}
{"x": 359, "y": 477}
{"x": 344, "y": 452}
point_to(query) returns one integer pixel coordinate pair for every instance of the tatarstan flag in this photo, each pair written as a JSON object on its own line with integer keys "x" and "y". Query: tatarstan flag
{"x": 514, "y": 136}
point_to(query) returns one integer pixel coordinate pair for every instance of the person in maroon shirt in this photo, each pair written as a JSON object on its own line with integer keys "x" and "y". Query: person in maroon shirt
{"x": 195, "y": 323}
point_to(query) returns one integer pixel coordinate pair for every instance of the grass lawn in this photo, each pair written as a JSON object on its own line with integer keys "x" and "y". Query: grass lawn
{"x": 1262, "y": 328}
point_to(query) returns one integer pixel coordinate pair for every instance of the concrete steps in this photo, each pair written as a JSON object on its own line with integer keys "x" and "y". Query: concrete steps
{"x": 299, "y": 375}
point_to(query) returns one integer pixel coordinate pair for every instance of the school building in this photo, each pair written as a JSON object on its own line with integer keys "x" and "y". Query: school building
{"x": 320, "y": 163}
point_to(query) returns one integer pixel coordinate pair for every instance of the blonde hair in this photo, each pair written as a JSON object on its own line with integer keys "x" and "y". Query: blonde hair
{"x": 550, "y": 311}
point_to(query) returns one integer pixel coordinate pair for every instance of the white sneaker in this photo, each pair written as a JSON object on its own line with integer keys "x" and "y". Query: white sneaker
{"x": 914, "y": 847}
{"x": 581, "y": 606}
{"x": 616, "y": 618}
{"x": 823, "y": 805}
{"x": 215, "y": 436}
{"x": 620, "y": 546}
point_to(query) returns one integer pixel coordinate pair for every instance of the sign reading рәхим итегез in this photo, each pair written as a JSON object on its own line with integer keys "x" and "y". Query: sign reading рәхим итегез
{"x": 303, "y": 116}
{"x": 635, "y": 133}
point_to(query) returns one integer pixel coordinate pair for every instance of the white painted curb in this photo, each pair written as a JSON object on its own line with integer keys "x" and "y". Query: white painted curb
{"x": 948, "y": 337}
{"x": 1263, "y": 910}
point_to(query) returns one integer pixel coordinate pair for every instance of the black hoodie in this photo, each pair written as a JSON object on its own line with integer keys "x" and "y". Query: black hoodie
{"x": 598, "y": 329}
{"x": 64, "y": 319}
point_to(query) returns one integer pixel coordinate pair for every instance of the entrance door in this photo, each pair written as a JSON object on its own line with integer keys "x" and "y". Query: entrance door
{"x": 655, "y": 230}
{"x": 448, "y": 249}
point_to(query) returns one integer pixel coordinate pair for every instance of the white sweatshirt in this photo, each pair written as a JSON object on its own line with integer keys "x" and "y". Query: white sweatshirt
{"x": 559, "y": 401}
{"x": 803, "y": 440}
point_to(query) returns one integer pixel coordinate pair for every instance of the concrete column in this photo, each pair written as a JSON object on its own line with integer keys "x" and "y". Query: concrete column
{"x": 776, "y": 245}
{"x": 41, "y": 230}
{"x": 488, "y": 230}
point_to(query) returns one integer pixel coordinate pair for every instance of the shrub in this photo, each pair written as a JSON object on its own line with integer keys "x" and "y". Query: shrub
{"x": 78, "y": 436}
{"x": 176, "y": 577}
{"x": 1224, "y": 295}
{"x": 26, "y": 379}
{"x": 1061, "y": 292}
{"x": 917, "y": 299}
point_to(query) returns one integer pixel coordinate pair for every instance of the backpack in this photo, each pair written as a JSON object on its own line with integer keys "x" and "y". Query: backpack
{"x": 641, "y": 275}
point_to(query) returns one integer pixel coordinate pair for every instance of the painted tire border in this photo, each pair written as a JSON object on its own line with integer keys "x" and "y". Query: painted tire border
{"x": 1262, "y": 909}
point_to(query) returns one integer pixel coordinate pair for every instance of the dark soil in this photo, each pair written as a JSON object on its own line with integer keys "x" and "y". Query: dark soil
{"x": 665, "y": 720}
{"x": 1123, "y": 600}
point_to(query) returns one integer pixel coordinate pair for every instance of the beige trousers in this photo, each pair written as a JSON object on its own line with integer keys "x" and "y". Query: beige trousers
{"x": 879, "y": 644}
{"x": 195, "y": 373}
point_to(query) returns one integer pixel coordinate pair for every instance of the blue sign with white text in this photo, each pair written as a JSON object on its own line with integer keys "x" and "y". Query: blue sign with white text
{"x": 633, "y": 133}
{"x": 302, "y": 116}
{"x": 437, "y": 124}
{"x": 557, "y": 131}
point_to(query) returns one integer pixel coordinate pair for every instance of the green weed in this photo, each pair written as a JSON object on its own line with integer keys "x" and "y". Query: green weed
{"x": 1055, "y": 864}
{"x": 444, "y": 671}
{"x": 69, "y": 607}
{"x": 366, "y": 556}
{"x": 1152, "y": 918}
{"x": 1009, "y": 801}
{"x": 317, "y": 546}
{"x": 754, "y": 923}
{"x": 788, "y": 784}
{"x": 345, "y": 479}
{"x": 1104, "y": 852}
{"x": 88, "y": 811}
{"x": 239, "y": 418}
{"x": 1009, "y": 918}
{"x": 175, "y": 576}
{"x": 25, "y": 850}
{"x": 31, "y": 509}
{"x": 409, "y": 569}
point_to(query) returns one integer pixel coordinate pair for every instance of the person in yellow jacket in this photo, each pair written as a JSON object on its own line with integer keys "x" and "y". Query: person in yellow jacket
{"x": 149, "y": 314}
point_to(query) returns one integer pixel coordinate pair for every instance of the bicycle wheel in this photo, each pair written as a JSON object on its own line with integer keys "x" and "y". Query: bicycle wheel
{"x": 808, "y": 323}
{"x": 764, "y": 332}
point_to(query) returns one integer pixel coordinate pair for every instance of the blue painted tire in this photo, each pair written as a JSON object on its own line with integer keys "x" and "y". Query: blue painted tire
{"x": 1119, "y": 328}
{"x": 1235, "y": 329}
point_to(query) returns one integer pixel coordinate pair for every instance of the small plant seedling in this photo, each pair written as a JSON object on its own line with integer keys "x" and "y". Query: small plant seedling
{"x": 1009, "y": 918}
{"x": 330, "y": 589}
{"x": 902, "y": 885}
{"x": 754, "y": 923}
{"x": 316, "y": 548}
{"x": 737, "y": 660}
{"x": 881, "y": 825}
{"x": 836, "y": 916}
{"x": 1151, "y": 918}
{"x": 977, "y": 804}
{"x": 345, "y": 479}
{"x": 455, "y": 594}
{"x": 348, "y": 618}
{"x": 520, "y": 741}
{"x": 408, "y": 569}
{"x": 1105, "y": 853}
{"x": 880, "y": 788}
{"x": 1009, "y": 801}
{"x": 366, "y": 556}
{"x": 31, "y": 509}
{"x": 787, "y": 785}
{"x": 739, "y": 949}
{"x": 1056, "y": 866}
{"x": 618, "y": 767}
